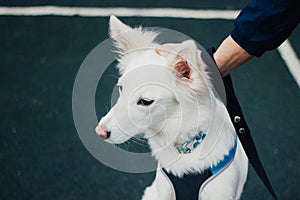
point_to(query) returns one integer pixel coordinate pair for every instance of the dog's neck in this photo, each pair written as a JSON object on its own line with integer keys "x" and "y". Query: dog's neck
{"x": 213, "y": 120}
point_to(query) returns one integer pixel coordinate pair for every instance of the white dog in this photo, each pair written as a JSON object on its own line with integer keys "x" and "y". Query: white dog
{"x": 166, "y": 93}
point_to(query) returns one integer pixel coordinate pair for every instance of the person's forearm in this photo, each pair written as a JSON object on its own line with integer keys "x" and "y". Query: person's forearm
{"x": 230, "y": 55}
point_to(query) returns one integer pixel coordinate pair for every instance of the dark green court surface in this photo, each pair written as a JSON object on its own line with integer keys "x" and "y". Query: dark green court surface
{"x": 41, "y": 154}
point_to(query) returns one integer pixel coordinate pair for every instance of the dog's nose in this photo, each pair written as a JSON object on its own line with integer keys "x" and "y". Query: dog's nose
{"x": 102, "y": 132}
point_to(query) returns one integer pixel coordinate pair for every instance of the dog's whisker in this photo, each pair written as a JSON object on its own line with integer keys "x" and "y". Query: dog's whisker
{"x": 139, "y": 141}
{"x": 107, "y": 110}
{"x": 114, "y": 76}
{"x": 128, "y": 145}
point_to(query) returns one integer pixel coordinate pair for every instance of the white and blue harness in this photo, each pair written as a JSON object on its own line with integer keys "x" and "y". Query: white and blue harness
{"x": 190, "y": 185}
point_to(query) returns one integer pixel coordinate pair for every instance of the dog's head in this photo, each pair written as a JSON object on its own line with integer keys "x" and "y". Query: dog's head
{"x": 159, "y": 86}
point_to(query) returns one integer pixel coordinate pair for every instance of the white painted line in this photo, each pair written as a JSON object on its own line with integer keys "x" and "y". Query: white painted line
{"x": 291, "y": 60}
{"x": 121, "y": 12}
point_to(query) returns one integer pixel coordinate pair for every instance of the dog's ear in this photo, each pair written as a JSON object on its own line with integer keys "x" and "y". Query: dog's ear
{"x": 118, "y": 31}
{"x": 182, "y": 57}
{"x": 185, "y": 60}
{"x": 127, "y": 38}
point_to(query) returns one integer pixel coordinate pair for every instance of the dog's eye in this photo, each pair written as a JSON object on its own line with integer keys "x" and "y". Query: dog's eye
{"x": 145, "y": 102}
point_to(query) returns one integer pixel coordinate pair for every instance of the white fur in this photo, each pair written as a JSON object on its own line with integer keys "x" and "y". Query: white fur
{"x": 175, "y": 116}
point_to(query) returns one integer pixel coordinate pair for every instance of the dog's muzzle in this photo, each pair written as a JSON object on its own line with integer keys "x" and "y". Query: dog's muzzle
{"x": 102, "y": 132}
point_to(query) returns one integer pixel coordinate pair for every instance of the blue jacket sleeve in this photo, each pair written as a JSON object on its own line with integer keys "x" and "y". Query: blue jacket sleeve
{"x": 264, "y": 24}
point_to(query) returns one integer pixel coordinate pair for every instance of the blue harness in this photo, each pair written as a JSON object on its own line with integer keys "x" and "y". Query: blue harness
{"x": 188, "y": 186}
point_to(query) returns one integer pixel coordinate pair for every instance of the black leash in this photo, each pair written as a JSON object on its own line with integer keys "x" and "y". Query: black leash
{"x": 243, "y": 133}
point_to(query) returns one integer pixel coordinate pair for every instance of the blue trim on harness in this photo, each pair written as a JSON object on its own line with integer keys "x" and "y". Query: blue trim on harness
{"x": 227, "y": 159}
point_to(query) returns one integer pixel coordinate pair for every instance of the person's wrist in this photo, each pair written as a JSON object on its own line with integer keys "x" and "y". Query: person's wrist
{"x": 230, "y": 55}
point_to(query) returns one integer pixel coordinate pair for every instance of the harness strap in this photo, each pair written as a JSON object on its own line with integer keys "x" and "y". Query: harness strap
{"x": 243, "y": 133}
{"x": 188, "y": 186}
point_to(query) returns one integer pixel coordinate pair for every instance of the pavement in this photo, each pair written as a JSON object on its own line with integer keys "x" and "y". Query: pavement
{"x": 42, "y": 156}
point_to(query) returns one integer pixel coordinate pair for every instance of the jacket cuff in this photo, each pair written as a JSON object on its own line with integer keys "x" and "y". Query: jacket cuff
{"x": 253, "y": 48}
